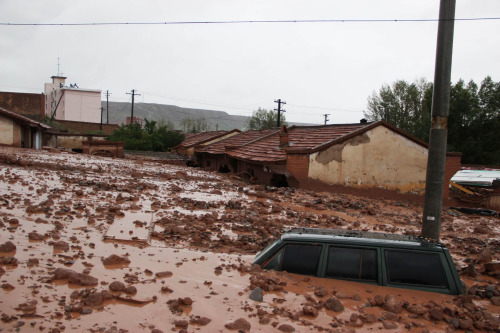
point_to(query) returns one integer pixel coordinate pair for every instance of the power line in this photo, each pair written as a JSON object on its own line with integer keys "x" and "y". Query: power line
{"x": 325, "y": 108}
{"x": 253, "y": 22}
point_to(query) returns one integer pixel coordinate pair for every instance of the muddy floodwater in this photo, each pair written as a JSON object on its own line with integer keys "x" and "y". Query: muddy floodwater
{"x": 96, "y": 244}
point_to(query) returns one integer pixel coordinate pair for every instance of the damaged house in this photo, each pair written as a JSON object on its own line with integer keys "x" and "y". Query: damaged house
{"x": 19, "y": 131}
{"x": 186, "y": 147}
{"x": 362, "y": 155}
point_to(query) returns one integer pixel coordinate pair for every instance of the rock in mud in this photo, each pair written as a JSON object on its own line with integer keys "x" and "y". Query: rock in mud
{"x": 256, "y": 295}
{"x": 239, "y": 324}
{"x": 35, "y": 236}
{"x": 181, "y": 323}
{"x": 115, "y": 260}
{"x": 392, "y": 305}
{"x": 310, "y": 311}
{"x": 74, "y": 277}
{"x": 484, "y": 256}
{"x": 7, "y": 247}
{"x": 334, "y": 304}
{"x": 117, "y": 286}
{"x": 93, "y": 299}
{"x": 165, "y": 274}
{"x": 389, "y": 325}
{"x": 60, "y": 245}
{"x": 130, "y": 290}
{"x": 7, "y": 287}
{"x": 200, "y": 320}
{"x": 286, "y": 328}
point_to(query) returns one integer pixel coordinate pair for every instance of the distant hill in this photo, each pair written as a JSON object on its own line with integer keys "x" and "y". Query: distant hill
{"x": 119, "y": 111}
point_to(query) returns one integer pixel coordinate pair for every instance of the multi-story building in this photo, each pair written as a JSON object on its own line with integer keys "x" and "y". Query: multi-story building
{"x": 72, "y": 103}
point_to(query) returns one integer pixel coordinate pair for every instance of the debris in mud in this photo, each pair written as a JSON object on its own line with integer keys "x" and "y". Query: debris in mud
{"x": 58, "y": 209}
{"x": 74, "y": 277}
{"x": 115, "y": 260}
{"x": 240, "y": 324}
{"x": 7, "y": 247}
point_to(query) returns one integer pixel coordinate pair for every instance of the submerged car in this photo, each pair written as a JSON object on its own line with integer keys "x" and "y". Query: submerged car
{"x": 377, "y": 258}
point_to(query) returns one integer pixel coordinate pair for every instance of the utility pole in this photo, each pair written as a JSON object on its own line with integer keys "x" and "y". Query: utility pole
{"x": 431, "y": 220}
{"x": 100, "y": 126}
{"x": 107, "y": 106}
{"x": 132, "y": 111}
{"x": 279, "y": 101}
{"x": 326, "y": 117}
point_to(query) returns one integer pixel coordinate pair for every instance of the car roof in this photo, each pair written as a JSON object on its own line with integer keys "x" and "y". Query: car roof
{"x": 358, "y": 237}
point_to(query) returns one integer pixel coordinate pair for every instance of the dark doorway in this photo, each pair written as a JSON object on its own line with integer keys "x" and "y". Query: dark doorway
{"x": 278, "y": 180}
{"x": 224, "y": 169}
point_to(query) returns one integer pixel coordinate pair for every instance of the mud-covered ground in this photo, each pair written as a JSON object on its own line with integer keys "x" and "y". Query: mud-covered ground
{"x": 128, "y": 245}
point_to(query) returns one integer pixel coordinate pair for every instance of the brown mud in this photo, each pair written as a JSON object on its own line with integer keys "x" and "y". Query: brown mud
{"x": 95, "y": 244}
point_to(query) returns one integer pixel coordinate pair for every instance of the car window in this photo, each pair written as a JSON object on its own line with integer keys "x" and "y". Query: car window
{"x": 301, "y": 259}
{"x": 274, "y": 262}
{"x": 416, "y": 268}
{"x": 352, "y": 263}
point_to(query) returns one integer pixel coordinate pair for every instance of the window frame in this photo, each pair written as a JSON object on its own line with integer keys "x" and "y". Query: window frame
{"x": 377, "y": 281}
{"x": 283, "y": 248}
{"x": 444, "y": 270}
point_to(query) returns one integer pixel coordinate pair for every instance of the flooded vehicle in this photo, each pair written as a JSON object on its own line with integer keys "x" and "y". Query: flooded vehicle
{"x": 377, "y": 258}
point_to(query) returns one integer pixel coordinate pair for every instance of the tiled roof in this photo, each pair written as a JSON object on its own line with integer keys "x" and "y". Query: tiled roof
{"x": 243, "y": 138}
{"x": 199, "y": 138}
{"x": 300, "y": 138}
{"x": 23, "y": 119}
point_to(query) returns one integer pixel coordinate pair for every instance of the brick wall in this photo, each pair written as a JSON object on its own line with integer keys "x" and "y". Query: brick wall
{"x": 453, "y": 164}
{"x": 83, "y": 127}
{"x": 23, "y": 103}
{"x": 115, "y": 148}
{"x": 298, "y": 166}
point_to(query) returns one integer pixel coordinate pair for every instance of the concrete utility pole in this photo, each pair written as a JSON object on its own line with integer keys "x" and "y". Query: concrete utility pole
{"x": 431, "y": 224}
{"x": 100, "y": 126}
{"x": 326, "y": 117}
{"x": 132, "y": 111}
{"x": 279, "y": 101}
{"x": 107, "y": 106}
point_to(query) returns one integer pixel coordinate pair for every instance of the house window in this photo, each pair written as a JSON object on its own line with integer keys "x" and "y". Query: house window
{"x": 352, "y": 263}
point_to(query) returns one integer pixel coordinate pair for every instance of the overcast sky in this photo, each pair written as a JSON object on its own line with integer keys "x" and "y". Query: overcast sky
{"x": 317, "y": 68}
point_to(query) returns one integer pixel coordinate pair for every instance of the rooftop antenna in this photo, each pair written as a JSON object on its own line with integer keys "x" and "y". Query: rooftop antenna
{"x": 58, "y": 64}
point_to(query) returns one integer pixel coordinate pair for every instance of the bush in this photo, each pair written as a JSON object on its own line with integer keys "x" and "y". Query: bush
{"x": 151, "y": 137}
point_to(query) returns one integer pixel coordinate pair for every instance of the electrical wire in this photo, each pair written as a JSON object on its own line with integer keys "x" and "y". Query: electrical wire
{"x": 251, "y": 22}
{"x": 325, "y": 108}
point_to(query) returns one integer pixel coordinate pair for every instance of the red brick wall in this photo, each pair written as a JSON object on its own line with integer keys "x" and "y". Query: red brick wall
{"x": 298, "y": 166}
{"x": 83, "y": 127}
{"x": 23, "y": 103}
{"x": 115, "y": 148}
{"x": 453, "y": 164}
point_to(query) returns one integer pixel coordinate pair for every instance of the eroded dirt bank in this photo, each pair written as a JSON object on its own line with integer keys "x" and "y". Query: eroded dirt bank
{"x": 108, "y": 245}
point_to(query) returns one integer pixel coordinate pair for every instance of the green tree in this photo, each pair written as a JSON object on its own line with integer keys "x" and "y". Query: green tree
{"x": 405, "y": 105}
{"x": 149, "y": 138}
{"x": 474, "y": 115}
{"x": 263, "y": 119}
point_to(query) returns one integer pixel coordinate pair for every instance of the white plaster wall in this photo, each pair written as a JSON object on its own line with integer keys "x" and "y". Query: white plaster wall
{"x": 6, "y": 131}
{"x": 378, "y": 158}
{"x": 82, "y": 106}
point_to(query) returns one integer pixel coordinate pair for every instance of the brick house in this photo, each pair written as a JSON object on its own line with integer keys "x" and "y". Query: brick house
{"x": 213, "y": 156}
{"x": 186, "y": 147}
{"x": 19, "y": 131}
{"x": 363, "y": 155}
